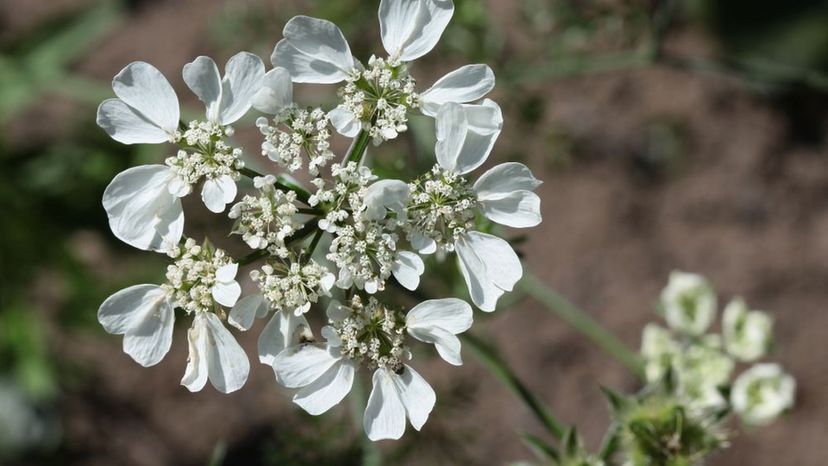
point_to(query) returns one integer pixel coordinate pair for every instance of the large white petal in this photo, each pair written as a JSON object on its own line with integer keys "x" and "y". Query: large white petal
{"x": 218, "y": 192}
{"x": 202, "y": 77}
{"x": 227, "y": 272}
{"x": 313, "y": 51}
{"x": 142, "y": 87}
{"x": 451, "y": 314}
{"x": 484, "y": 124}
{"x": 385, "y": 195}
{"x": 518, "y": 209}
{"x": 385, "y": 413}
{"x": 328, "y": 390}
{"x": 198, "y": 341}
{"x": 503, "y": 266}
{"x": 447, "y": 344}
{"x": 483, "y": 294}
{"x": 118, "y": 311}
{"x": 281, "y": 331}
{"x": 452, "y": 128}
{"x": 243, "y": 76}
{"x": 128, "y": 126}
{"x": 227, "y": 362}
{"x": 416, "y": 394}
{"x": 430, "y": 23}
{"x": 407, "y": 268}
{"x": 423, "y": 244}
{"x": 226, "y": 293}
{"x": 465, "y": 84}
{"x": 246, "y": 310}
{"x": 141, "y": 210}
{"x": 299, "y": 365}
{"x": 276, "y": 92}
{"x": 397, "y": 22}
{"x": 144, "y": 315}
{"x": 504, "y": 179}
{"x": 345, "y": 122}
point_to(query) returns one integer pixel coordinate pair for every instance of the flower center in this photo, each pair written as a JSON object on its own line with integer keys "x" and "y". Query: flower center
{"x": 372, "y": 334}
{"x": 268, "y": 219}
{"x": 204, "y": 154}
{"x": 442, "y": 206}
{"x": 365, "y": 251}
{"x": 290, "y": 286}
{"x": 380, "y": 97}
{"x": 296, "y": 131}
{"x": 191, "y": 277}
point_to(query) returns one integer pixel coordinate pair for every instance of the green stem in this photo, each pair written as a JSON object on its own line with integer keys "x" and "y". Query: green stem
{"x": 582, "y": 322}
{"x": 301, "y": 194}
{"x": 500, "y": 369}
{"x": 313, "y": 244}
{"x": 358, "y": 148}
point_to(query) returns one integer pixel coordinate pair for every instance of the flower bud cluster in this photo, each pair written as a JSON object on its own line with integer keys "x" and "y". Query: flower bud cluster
{"x": 296, "y": 133}
{"x": 192, "y": 277}
{"x": 380, "y": 96}
{"x": 442, "y": 207}
{"x": 205, "y": 155}
{"x": 266, "y": 220}
{"x": 292, "y": 286}
{"x": 371, "y": 333}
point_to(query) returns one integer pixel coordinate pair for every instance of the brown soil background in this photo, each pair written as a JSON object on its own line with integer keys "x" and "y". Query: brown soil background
{"x": 748, "y": 208}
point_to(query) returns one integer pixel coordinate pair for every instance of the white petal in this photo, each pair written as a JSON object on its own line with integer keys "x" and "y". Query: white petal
{"x": 178, "y": 187}
{"x": 226, "y": 293}
{"x": 227, "y": 362}
{"x": 246, "y": 310}
{"x": 218, "y": 192}
{"x": 243, "y": 76}
{"x": 144, "y": 315}
{"x": 298, "y": 366}
{"x": 504, "y": 179}
{"x": 489, "y": 266}
{"x": 423, "y": 32}
{"x": 465, "y": 84}
{"x": 328, "y": 390}
{"x": 127, "y": 126}
{"x": 448, "y": 345}
{"x": 385, "y": 413}
{"x": 313, "y": 51}
{"x": 518, "y": 209}
{"x": 407, "y": 268}
{"x": 416, "y": 394}
{"x": 452, "y": 127}
{"x": 276, "y": 92}
{"x": 281, "y": 331}
{"x": 385, "y": 195}
{"x": 451, "y": 314}
{"x": 485, "y": 118}
{"x": 142, "y": 87}
{"x": 227, "y": 272}
{"x": 345, "y": 122}
{"x": 202, "y": 77}
{"x": 423, "y": 244}
{"x": 141, "y": 210}
{"x": 397, "y": 22}
{"x": 198, "y": 339}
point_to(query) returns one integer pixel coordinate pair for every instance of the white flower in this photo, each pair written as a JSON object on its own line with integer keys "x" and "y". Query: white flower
{"x": 201, "y": 277}
{"x": 214, "y": 355}
{"x": 747, "y": 334}
{"x": 762, "y": 393}
{"x": 659, "y": 349}
{"x": 266, "y": 220}
{"x": 437, "y": 321}
{"x": 293, "y": 286}
{"x": 227, "y": 98}
{"x": 144, "y": 315}
{"x": 246, "y": 310}
{"x": 688, "y": 303}
{"x": 701, "y": 371}
{"x": 443, "y": 205}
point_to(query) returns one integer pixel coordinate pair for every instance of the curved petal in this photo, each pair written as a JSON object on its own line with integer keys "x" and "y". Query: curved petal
{"x": 127, "y": 126}
{"x": 385, "y": 194}
{"x": 489, "y": 266}
{"x": 447, "y": 344}
{"x": 416, "y": 394}
{"x": 298, "y": 366}
{"x": 144, "y": 315}
{"x": 227, "y": 272}
{"x": 424, "y": 32}
{"x": 218, "y": 192}
{"x": 397, "y": 22}
{"x": 452, "y": 129}
{"x": 407, "y": 268}
{"x": 465, "y": 84}
{"x": 423, "y": 244}
{"x": 118, "y": 311}
{"x": 198, "y": 340}
{"x": 284, "y": 329}
{"x": 504, "y": 179}
{"x": 202, "y": 77}
{"x": 142, "y": 87}
{"x": 243, "y": 76}
{"x": 328, "y": 390}
{"x": 226, "y": 293}
{"x": 141, "y": 210}
{"x": 313, "y": 51}
{"x": 228, "y": 366}
{"x": 385, "y": 413}
{"x": 276, "y": 92}
{"x": 518, "y": 209}
{"x": 451, "y": 314}
{"x": 246, "y": 310}
{"x": 345, "y": 122}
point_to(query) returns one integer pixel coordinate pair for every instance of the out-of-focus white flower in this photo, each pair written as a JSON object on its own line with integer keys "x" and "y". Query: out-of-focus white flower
{"x": 659, "y": 350}
{"x": 701, "y": 371}
{"x": 371, "y": 335}
{"x": 762, "y": 393}
{"x": 443, "y": 204}
{"x": 747, "y": 334}
{"x": 688, "y": 303}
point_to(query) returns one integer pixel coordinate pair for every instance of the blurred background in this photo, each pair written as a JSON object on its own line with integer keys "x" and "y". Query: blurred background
{"x": 670, "y": 135}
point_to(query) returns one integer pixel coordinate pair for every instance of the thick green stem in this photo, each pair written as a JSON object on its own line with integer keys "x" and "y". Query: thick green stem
{"x": 358, "y": 148}
{"x": 582, "y": 322}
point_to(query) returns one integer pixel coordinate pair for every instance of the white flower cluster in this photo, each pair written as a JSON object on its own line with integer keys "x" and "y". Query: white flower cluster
{"x": 266, "y": 220}
{"x": 700, "y": 365}
{"x": 351, "y": 238}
